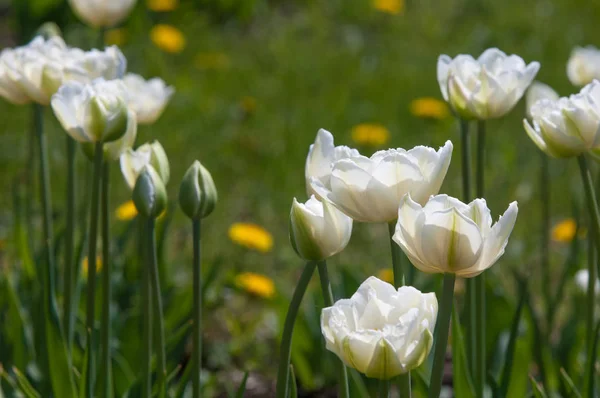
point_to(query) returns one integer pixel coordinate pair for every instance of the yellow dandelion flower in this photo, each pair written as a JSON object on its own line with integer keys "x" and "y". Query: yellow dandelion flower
{"x": 428, "y": 107}
{"x": 84, "y": 266}
{"x": 127, "y": 211}
{"x": 168, "y": 38}
{"x": 251, "y": 236}
{"x": 370, "y": 134}
{"x": 248, "y": 104}
{"x": 389, "y": 6}
{"x": 162, "y": 5}
{"x": 256, "y": 284}
{"x": 212, "y": 60}
{"x": 564, "y": 231}
{"x": 386, "y": 275}
{"x": 115, "y": 37}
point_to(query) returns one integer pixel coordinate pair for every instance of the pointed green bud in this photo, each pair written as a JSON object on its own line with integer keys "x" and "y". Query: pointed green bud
{"x": 197, "y": 192}
{"x": 113, "y": 150}
{"x": 149, "y": 193}
{"x": 48, "y": 30}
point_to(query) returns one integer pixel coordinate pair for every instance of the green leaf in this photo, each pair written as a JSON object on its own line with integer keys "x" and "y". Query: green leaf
{"x": 84, "y": 370}
{"x": 15, "y": 328}
{"x": 293, "y": 388}
{"x": 463, "y": 384}
{"x": 569, "y": 385}
{"x": 242, "y": 388}
{"x": 23, "y": 250}
{"x": 538, "y": 390}
{"x": 61, "y": 375}
{"x": 590, "y": 371}
{"x": 25, "y": 386}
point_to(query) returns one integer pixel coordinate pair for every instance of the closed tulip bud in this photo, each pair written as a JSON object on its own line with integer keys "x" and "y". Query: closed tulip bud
{"x": 153, "y": 154}
{"x": 95, "y": 112}
{"x": 569, "y": 126}
{"x": 584, "y": 65}
{"x": 149, "y": 193}
{"x": 113, "y": 150}
{"x": 318, "y": 230}
{"x": 380, "y": 331}
{"x": 147, "y": 98}
{"x": 487, "y": 87}
{"x": 538, "y": 91}
{"x": 102, "y": 13}
{"x": 448, "y": 236}
{"x": 48, "y": 30}
{"x": 197, "y": 192}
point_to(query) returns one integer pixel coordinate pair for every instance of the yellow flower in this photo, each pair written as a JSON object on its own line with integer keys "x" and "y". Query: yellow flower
{"x": 564, "y": 231}
{"x": 248, "y": 104}
{"x": 212, "y": 60}
{"x": 84, "y": 266}
{"x": 162, "y": 5}
{"x": 251, "y": 236}
{"x": 116, "y": 37}
{"x": 389, "y": 6}
{"x": 168, "y": 38}
{"x": 386, "y": 275}
{"x": 126, "y": 211}
{"x": 370, "y": 134}
{"x": 259, "y": 285}
{"x": 428, "y": 107}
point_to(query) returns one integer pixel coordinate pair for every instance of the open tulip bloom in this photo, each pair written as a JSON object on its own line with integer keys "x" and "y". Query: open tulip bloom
{"x": 568, "y": 126}
{"x": 147, "y": 98}
{"x": 487, "y": 87}
{"x": 448, "y": 236}
{"x": 538, "y": 91}
{"x": 102, "y": 13}
{"x": 369, "y": 189}
{"x": 584, "y": 65}
{"x": 380, "y": 331}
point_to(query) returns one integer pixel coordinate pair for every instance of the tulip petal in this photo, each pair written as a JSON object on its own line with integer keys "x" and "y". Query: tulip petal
{"x": 407, "y": 233}
{"x": 443, "y": 67}
{"x": 384, "y": 362}
{"x": 481, "y": 215}
{"x": 434, "y": 166}
{"x": 537, "y": 139}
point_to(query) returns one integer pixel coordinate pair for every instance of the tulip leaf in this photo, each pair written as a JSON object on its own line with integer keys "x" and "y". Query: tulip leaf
{"x": 84, "y": 370}
{"x": 293, "y": 388}
{"x": 590, "y": 374}
{"x": 463, "y": 384}
{"x": 242, "y": 388}
{"x": 569, "y": 385}
{"x": 26, "y": 387}
{"x": 15, "y": 328}
{"x": 538, "y": 390}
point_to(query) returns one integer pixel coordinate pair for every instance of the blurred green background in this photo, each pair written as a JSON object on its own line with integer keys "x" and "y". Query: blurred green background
{"x": 256, "y": 79}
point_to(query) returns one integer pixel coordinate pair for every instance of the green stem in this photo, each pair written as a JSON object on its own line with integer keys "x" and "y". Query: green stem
{"x": 404, "y": 386}
{"x": 595, "y": 234}
{"x": 197, "y": 332}
{"x": 441, "y": 340}
{"x": 545, "y": 235}
{"x": 69, "y": 318}
{"x": 479, "y": 281}
{"x": 146, "y": 306}
{"x": 384, "y": 388}
{"x": 159, "y": 326}
{"x": 288, "y": 330}
{"x": 29, "y": 181}
{"x": 344, "y": 391}
{"x": 106, "y": 371}
{"x": 91, "y": 280}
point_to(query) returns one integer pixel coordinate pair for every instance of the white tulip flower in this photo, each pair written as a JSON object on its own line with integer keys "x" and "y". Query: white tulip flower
{"x": 133, "y": 162}
{"x": 102, "y": 13}
{"x": 109, "y": 63}
{"x": 95, "y": 112}
{"x": 584, "y": 65}
{"x": 321, "y": 156}
{"x": 538, "y": 91}
{"x": 10, "y": 70}
{"x": 448, "y": 236}
{"x": 380, "y": 331}
{"x": 370, "y": 189}
{"x": 318, "y": 230}
{"x": 147, "y": 98}
{"x": 114, "y": 149}
{"x": 567, "y": 127}
{"x": 487, "y": 87}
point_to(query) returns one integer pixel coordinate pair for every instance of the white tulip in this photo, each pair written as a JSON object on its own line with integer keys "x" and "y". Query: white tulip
{"x": 10, "y": 70}
{"x": 114, "y": 149}
{"x": 538, "y": 91}
{"x": 380, "y": 331}
{"x": 370, "y": 189}
{"x": 95, "y": 112}
{"x": 102, "y": 13}
{"x": 584, "y": 65}
{"x": 147, "y": 98}
{"x": 582, "y": 278}
{"x": 133, "y": 162}
{"x": 448, "y": 236}
{"x": 569, "y": 126}
{"x": 487, "y": 87}
{"x": 89, "y": 65}
{"x": 318, "y": 230}
{"x": 321, "y": 156}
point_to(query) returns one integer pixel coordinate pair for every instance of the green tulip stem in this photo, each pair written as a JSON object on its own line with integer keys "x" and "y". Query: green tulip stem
{"x": 344, "y": 392}
{"x": 285, "y": 351}
{"x": 384, "y": 388}
{"x": 479, "y": 281}
{"x": 146, "y": 307}
{"x": 398, "y": 268}
{"x": 590, "y": 195}
{"x": 441, "y": 338}
{"x": 106, "y": 370}
{"x": 69, "y": 319}
{"x": 91, "y": 280}
{"x": 159, "y": 326}
{"x": 197, "y": 329}
{"x": 545, "y": 233}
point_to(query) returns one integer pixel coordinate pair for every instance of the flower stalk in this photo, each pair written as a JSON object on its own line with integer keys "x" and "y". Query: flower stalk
{"x": 146, "y": 306}
{"x": 197, "y": 329}
{"x": 106, "y": 371}
{"x": 69, "y": 318}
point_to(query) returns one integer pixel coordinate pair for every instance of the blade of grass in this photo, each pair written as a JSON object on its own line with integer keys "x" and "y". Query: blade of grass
{"x": 591, "y": 369}
{"x": 242, "y": 388}
{"x": 538, "y": 390}
{"x": 570, "y": 386}
{"x": 26, "y": 387}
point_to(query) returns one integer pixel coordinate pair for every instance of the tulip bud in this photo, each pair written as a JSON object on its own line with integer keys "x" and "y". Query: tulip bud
{"x": 149, "y": 193}
{"x": 113, "y": 150}
{"x": 197, "y": 192}
{"x": 48, "y": 30}
{"x": 132, "y": 162}
{"x": 318, "y": 230}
